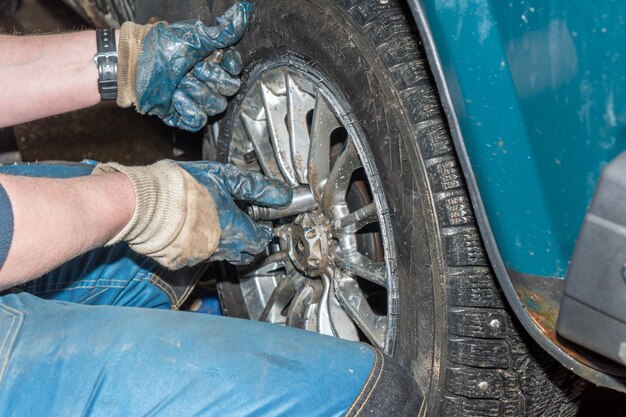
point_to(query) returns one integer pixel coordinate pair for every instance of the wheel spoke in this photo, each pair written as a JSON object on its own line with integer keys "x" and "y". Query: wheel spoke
{"x": 324, "y": 122}
{"x": 299, "y": 103}
{"x": 341, "y": 320}
{"x": 266, "y": 267}
{"x": 362, "y": 266}
{"x": 339, "y": 178}
{"x": 373, "y": 325}
{"x": 276, "y": 110}
{"x": 257, "y": 133}
{"x": 302, "y": 308}
{"x": 324, "y": 322}
{"x": 356, "y": 220}
{"x": 281, "y": 297}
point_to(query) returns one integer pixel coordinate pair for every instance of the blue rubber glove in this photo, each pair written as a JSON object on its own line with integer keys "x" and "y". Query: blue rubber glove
{"x": 185, "y": 212}
{"x": 241, "y": 236}
{"x": 163, "y": 73}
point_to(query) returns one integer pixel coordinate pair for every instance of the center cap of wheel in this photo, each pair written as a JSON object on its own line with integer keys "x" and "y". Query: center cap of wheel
{"x": 308, "y": 245}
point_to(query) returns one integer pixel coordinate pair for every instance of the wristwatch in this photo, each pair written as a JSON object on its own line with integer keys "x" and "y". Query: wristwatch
{"x": 106, "y": 60}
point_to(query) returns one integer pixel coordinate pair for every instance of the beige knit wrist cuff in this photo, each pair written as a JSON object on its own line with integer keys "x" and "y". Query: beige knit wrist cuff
{"x": 175, "y": 220}
{"x": 129, "y": 46}
{"x": 158, "y": 200}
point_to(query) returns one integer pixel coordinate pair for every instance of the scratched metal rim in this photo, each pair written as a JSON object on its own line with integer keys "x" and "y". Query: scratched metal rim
{"x": 294, "y": 125}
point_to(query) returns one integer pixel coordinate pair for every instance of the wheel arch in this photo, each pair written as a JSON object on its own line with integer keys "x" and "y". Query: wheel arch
{"x": 530, "y": 291}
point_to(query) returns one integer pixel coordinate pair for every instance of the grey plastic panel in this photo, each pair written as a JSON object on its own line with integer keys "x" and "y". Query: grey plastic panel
{"x": 593, "y": 309}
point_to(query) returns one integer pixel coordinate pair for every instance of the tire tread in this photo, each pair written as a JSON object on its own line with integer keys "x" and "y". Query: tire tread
{"x": 490, "y": 370}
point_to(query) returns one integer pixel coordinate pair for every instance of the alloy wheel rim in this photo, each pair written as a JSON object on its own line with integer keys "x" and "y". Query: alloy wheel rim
{"x": 331, "y": 268}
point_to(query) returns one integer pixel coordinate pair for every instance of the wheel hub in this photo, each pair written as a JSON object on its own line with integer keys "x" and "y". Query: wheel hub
{"x": 309, "y": 243}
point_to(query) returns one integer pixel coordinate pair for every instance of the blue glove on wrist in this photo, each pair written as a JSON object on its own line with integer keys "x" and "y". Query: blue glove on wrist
{"x": 241, "y": 237}
{"x": 162, "y": 69}
{"x": 185, "y": 212}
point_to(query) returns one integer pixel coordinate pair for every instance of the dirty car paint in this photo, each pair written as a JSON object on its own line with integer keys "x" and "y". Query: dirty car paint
{"x": 539, "y": 89}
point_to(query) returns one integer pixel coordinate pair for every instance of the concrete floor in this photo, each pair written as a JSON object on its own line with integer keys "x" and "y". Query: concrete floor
{"x": 107, "y": 132}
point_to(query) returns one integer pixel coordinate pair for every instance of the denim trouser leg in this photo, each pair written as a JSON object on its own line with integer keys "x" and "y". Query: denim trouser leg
{"x": 67, "y": 359}
{"x": 104, "y": 276}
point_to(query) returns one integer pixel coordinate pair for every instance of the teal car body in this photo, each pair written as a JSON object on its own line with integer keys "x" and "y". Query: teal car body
{"x": 535, "y": 96}
{"x": 539, "y": 89}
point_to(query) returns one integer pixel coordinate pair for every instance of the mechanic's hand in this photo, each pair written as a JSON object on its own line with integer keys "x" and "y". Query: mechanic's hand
{"x": 185, "y": 211}
{"x": 161, "y": 67}
{"x": 241, "y": 236}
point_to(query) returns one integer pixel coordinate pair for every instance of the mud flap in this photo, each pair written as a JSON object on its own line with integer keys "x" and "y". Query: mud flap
{"x": 593, "y": 308}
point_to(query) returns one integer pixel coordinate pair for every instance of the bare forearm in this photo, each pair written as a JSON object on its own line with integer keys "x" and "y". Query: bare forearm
{"x": 58, "y": 219}
{"x": 46, "y": 75}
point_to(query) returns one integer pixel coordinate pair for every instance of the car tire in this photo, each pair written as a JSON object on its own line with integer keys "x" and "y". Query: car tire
{"x": 455, "y": 331}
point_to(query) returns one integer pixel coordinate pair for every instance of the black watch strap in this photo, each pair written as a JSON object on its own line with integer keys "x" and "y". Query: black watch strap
{"x": 106, "y": 60}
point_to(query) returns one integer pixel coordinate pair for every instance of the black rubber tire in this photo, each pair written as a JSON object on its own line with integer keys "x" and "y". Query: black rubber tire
{"x": 456, "y": 333}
